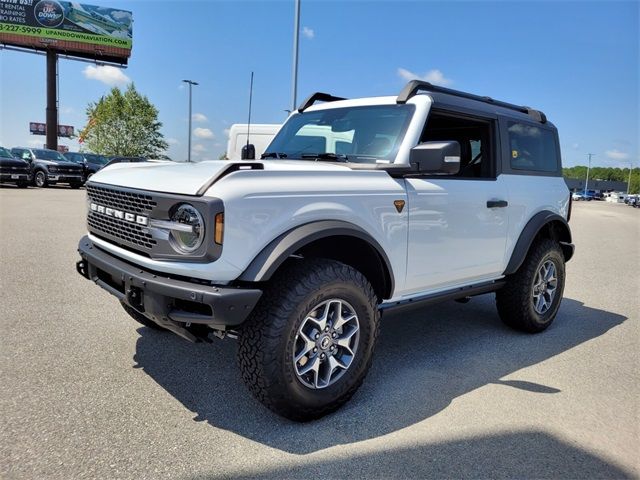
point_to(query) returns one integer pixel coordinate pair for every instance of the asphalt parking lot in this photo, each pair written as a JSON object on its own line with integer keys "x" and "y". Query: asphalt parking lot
{"x": 88, "y": 393}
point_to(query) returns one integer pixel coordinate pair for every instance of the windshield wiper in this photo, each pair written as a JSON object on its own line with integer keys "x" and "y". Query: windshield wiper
{"x": 327, "y": 156}
{"x": 273, "y": 155}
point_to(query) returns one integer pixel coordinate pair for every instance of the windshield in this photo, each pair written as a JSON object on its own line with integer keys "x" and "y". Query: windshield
{"x": 4, "y": 153}
{"x": 354, "y": 134}
{"x": 49, "y": 155}
{"x": 93, "y": 158}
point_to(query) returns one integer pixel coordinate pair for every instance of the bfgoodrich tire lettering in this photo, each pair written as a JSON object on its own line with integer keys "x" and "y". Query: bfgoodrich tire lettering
{"x": 518, "y": 301}
{"x": 267, "y": 340}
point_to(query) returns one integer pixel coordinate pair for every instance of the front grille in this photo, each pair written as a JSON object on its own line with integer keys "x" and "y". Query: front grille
{"x": 71, "y": 170}
{"x": 131, "y": 234}
{"x": 128, "y": 201}
{"x": 14, "y": 170}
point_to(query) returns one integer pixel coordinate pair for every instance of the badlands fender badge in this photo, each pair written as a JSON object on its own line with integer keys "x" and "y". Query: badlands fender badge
{"x": 399, "y": 204}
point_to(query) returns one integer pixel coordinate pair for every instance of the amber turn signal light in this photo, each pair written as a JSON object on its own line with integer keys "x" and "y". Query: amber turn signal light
{"x": 219, "y": 229}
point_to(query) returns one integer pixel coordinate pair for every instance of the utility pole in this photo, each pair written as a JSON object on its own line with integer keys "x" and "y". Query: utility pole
{"x": 294, "y": 73}
{"x": 191, "y": 83}
{"x": 586, "y": 182}
{"x": 52, "y": 100}
{"x": 629, "y": 182}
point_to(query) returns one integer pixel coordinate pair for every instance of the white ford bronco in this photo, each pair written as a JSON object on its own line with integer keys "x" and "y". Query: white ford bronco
{"x": 357, "y": 207}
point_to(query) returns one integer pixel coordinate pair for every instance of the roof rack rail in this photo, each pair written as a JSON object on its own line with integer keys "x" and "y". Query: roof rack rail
{"x": 317, "y": 97}
{"x": 415, "y": 86}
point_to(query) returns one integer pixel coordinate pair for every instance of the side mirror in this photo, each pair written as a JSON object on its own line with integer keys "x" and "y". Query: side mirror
{"x": 438, "y": 158}
{"x": 248, "y": 152}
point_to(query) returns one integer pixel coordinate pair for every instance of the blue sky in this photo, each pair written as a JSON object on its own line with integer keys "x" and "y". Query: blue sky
{"x": 576, "y": 61}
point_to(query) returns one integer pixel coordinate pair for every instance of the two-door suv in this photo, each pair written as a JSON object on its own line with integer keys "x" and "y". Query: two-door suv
{"x": 357, "y": 207}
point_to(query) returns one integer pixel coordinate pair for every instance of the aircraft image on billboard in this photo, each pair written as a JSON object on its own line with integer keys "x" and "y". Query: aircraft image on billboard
{"x": 96, "y": 22}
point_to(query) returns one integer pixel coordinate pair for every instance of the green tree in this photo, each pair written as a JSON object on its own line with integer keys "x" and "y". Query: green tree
{"x": 124, "y": 124}
{"x": 606, "y": 173}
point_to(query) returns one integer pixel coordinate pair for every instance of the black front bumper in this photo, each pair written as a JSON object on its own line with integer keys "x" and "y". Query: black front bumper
{"x": 175, "y": 304}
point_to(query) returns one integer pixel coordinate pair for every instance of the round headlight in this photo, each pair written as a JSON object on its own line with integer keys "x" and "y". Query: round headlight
{"x": 187, "y": 241}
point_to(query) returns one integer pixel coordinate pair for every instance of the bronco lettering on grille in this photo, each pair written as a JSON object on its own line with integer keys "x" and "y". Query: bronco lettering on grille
{"x": 119, "y": 214}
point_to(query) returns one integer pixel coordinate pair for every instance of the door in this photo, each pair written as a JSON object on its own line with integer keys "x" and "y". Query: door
{"x": 458, "y": 223}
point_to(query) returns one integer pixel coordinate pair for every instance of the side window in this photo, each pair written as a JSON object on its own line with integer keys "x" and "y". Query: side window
{"x": 532, "y": 148}
{"x": 474, "y": 136}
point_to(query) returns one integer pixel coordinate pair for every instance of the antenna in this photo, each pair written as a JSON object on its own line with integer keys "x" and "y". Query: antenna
{"x": 249, "y": 122}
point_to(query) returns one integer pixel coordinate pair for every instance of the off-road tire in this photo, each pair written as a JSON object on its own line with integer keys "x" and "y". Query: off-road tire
{"x": 267, "y": 338}
{"x": 75, "y": 185}
{"x": 22, "y": 184}
{"x": 40, "y": 176}
{"x": 514, "y": 300}
{"x": 138, "y": 317}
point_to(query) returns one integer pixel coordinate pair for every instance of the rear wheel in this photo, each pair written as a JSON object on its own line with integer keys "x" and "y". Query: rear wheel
{"x": 40, "y": 179}
{"x": 138, "y": 317}
{"x": 531, "y": 298}
{"x": 308, "y": 345}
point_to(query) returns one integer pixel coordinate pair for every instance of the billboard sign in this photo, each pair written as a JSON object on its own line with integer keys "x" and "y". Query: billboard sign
{"x": 37, "y": 128}
{"x": 87, "y": 31}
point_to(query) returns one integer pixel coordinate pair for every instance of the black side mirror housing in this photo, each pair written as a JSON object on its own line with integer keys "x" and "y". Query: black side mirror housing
{"x": 436, "y": 158}
{"x": 248, "y": 152}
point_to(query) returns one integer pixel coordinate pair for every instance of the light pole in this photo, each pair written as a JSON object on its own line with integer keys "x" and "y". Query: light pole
{"x": 586, "y": 182}
{"x": 294, "y": 73}
{"x": 629, "y": 182}
{"x": 191, "y": 84}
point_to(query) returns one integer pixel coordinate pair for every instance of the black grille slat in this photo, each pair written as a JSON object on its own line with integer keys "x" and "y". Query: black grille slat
{"x": 121, "y": 200}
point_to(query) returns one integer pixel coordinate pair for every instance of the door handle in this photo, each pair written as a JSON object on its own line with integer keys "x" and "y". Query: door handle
{"x": 497, "y": 203}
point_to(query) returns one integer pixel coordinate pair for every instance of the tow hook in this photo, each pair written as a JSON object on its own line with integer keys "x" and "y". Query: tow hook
{"x": 81, "y": 268}
{"x": 134, "y": 298}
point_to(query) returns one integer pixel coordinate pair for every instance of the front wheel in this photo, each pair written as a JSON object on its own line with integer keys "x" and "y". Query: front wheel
{"x": 531, "y": 297}
{"x": 40, "y": 179}
{"x": 308, "y": 345}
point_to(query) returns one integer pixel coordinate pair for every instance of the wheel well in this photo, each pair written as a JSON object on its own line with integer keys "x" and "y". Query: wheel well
{"x": 558, "y": 231}
{"x": 357, "y": 253}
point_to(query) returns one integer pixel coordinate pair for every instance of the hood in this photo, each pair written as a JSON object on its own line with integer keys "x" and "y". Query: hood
{"x": 13, "y": 162}
{"x": 59, "y": 164}
{"x": 193, "y": 178}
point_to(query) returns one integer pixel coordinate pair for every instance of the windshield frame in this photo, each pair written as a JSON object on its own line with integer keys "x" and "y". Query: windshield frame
{"x": 275, "y": 149}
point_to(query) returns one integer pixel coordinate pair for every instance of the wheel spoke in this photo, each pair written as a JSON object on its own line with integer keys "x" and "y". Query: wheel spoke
{"x": 311, "y": 366}
{"x": 306, "y": 348}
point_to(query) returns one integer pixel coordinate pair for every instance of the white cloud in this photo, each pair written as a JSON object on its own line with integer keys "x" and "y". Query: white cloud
{"x": 172, "y": 141}
{"x": 106, "y": 74}
{"x": 199, "y": 148}
{"x": 434, "y": 76}
{"x": 203, "y": 133}
{"x": 226, "y": 132}
{"x": 308, "y": 32}
{"x": 616, "y": 154}
{"x": 199, "y": 117}
{"x": 120, "y": 15}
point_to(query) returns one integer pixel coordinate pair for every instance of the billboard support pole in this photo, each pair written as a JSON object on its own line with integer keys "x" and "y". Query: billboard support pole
{"x": 52, "y": 100}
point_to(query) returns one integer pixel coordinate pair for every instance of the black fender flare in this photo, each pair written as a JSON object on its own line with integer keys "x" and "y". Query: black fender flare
{"x": 265, "y": 264}
{"x": 529, "y": 233}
